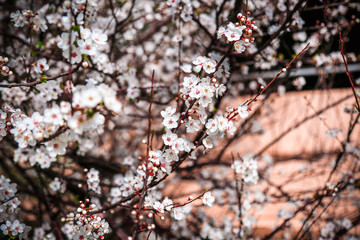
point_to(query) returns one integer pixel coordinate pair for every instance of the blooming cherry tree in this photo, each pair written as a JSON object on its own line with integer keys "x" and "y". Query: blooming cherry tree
{"x": 108, "y": 107}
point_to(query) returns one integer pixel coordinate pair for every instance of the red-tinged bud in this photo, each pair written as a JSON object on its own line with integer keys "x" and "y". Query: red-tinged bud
{"x": 248, "y": 13}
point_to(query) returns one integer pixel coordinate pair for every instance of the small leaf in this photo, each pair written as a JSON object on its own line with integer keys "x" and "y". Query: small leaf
{"x": 43, "y": 79}
{"x": 76, "y": 28}
{"x": 90, "y": 113}
{"x": 40, "y": 44}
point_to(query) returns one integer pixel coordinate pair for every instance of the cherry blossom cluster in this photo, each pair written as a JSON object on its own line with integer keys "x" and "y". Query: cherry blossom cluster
{"x": 247, "y": 167}
{"x": 125, "y": 185}
{"x": 332, "y": 58}
{"x": 44, "y": 232}
{"x": 178, "y": 211}
{"x": 184, "y": 7}
{"x": 329, "y": 230}
{"x": 57, "y": 186}
{"x": 82, "y": 40}
{"x": 84, "y": 225}
{"x": 93, "y": 180}
{"x": 28, "y": 131}
{"x": 240, "y": 33}
{"x": 26, "y": 17}
{"x": 8, "y": 207}
{"x": 91, "y": 96}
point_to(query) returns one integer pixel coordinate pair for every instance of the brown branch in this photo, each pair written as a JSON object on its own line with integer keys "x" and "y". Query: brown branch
{"x": 347, "y": 72}
{"x": 37, "y": 81}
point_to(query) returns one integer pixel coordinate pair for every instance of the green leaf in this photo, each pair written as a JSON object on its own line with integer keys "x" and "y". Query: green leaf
{"x": 76, "y": 28}
{"x": 43, "y": 79}
{"x": 90, "y": 113}
{"x": 121, "y": 3}
{"x": 40, "y": 44}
